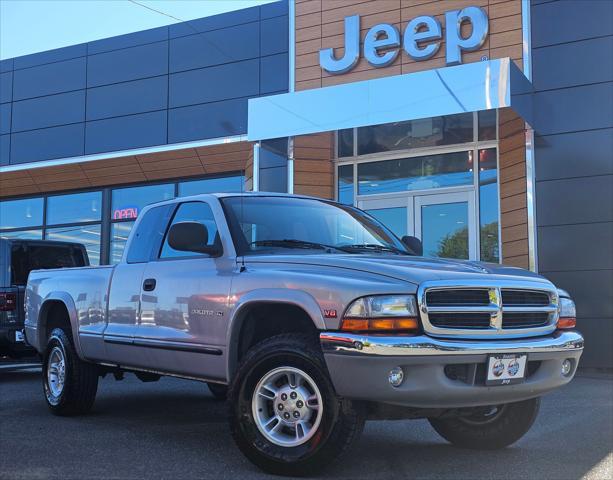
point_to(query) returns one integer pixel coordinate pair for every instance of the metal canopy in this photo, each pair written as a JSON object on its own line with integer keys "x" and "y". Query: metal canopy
{"x": 471, "y": 87}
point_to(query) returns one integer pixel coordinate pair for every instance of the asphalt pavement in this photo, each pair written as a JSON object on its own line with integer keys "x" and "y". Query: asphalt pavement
{"x": 174, "y": 429}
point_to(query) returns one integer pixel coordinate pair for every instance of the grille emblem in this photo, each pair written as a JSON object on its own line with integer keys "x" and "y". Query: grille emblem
{"x": 495, "y": 296}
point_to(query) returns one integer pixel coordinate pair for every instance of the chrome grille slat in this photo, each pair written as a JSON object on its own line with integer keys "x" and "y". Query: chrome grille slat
{"x": 482, "y": 309}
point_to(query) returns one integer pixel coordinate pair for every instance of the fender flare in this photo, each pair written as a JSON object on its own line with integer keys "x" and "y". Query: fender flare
{"x": 68, "y": 302}
{"x": 297, "y": 298}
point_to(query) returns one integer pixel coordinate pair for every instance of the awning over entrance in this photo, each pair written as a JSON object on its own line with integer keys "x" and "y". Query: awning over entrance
{"x": 486, "y": 85}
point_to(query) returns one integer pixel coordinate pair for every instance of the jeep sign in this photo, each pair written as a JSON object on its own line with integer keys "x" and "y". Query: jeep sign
{"x": 382, "y": 42}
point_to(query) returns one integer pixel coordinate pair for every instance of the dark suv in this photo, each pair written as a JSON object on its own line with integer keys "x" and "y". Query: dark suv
{"x": 17, "y": 259}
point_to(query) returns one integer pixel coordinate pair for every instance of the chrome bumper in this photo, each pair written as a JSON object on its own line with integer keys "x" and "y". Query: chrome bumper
{"x": 420, "y": 345}
{"x": 359, "y": 366}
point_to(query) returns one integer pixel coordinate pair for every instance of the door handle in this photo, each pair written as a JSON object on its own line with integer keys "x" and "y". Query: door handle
{"x": 149, "y": 285}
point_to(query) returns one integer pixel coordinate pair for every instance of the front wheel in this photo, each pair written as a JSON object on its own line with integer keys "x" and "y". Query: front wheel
{"x": 69, "y": 383}
{"x": 491, "y": 428}
{"x": 285, "y": 415}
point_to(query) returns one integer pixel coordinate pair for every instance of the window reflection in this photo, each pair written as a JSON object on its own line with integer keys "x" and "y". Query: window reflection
{"x": 345, "y": 143}
{"x": 487, "y": 125}
{"x": 488, "y": 205}
{"x": 393, "y": 218}
{"x": 119, "y": 236}
{"x": 417, "y": 173}
{"x": 21, "y": 213}
{"x": 427, "y": 132}
{"x": 23, "y": 234}
{"x": 212, "y": 185}
{"x": 345, "y": 184}
{"x": 127, "y": 203}
{"x": 87, "y": 235}
{"x": 77, "y": 207}
{"x": 444, "y": 229}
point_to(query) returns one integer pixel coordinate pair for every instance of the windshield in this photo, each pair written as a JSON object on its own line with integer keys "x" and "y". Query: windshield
{"x": 262, "y": 224}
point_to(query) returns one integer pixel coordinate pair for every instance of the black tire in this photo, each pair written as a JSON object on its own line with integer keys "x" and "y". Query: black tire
{"x": 489, "y": 431}
{"x": 80, "y": 378}
{"x": 219, "y": 391}
{"x": 341, "y": 421}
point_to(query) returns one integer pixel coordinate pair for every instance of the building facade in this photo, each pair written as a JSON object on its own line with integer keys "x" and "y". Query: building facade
{"x": 483, "y": 127}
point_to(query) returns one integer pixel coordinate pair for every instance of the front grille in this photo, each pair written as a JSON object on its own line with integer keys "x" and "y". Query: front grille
{"x": 524, "y": 319}
{"x": 460, "y": 320}
{"x": 474, "y": 311}
{"x": 461, "y": 297}
{"x": 524, "y": 298}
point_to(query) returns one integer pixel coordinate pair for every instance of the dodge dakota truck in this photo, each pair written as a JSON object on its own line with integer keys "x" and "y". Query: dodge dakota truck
{"x": 315, "y": 317}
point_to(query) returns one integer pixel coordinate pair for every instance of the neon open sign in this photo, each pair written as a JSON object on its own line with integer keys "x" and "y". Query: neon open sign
{"x": 125, "y": 213}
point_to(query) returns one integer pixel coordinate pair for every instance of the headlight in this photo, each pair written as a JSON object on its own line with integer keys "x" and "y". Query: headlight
{"x": 567, "y": 311}
{"x": 382, "y": 313}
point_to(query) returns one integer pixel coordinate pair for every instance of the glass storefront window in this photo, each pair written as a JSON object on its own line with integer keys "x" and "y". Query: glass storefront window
{"x": 394, "y": 218}
{"x": 87, "y": 235}
{"x": 427, "y": 132}
{"x": 212, "y": 185}
{"x": 445, "y": 230}
{"x": 488, "y": 206}
{"x": 487, "y": 124}
{"x": 127, "y": 203}
{"x": 416, "y": 173}
{"x": 345, "y": 143}
{"x": 119, "y": 236}
{"x": 21, "y": 213}
{"x": 24, "y": 234}
{"x": 77, "y": 207}
{"x": 345, "y": 184}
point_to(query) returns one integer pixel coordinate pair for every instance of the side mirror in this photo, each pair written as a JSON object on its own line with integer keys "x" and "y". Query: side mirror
{"x": 413, "y": 244}
{"x": 191, "y": 237}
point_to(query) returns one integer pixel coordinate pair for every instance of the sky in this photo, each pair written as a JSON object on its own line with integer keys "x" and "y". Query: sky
{"x": 29, "y": 26}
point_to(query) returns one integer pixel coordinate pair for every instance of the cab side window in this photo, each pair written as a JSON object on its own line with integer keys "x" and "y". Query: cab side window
{"x": 199, "y": 212}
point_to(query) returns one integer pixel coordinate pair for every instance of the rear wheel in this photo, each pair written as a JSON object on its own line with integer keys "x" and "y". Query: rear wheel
{"x": 69, "y": 383}
{"x": 285, "y": 415}
{"x": 492, "y": 428}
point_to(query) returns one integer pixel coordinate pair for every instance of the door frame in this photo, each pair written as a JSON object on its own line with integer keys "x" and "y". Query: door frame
{"x": 413, "y": 201}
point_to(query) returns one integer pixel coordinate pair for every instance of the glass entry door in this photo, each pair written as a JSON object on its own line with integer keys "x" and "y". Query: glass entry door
{"x": 445, "y": 223}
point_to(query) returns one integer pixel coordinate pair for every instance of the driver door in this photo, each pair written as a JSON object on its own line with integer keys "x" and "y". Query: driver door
{"x": 184, "y": 302}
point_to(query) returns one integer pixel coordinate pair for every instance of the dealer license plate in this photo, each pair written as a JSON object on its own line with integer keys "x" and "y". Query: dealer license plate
{"x": 506, "y": 369}
{"x": 19, "y": 337}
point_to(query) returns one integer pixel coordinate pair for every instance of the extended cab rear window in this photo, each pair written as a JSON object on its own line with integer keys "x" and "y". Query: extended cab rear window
{"x": 28, "y": 257}
{"x": 147, "y": 238}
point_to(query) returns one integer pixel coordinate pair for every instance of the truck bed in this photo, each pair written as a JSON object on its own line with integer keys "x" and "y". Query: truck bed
{"x": 84, "y": 290}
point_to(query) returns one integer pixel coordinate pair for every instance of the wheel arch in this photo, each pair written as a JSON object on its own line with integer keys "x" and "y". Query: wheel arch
{"x": 51, "y": 307}
{"x": 261, "y": 312}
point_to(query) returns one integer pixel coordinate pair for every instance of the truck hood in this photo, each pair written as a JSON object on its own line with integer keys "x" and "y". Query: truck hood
{"x": 410, "y": 269}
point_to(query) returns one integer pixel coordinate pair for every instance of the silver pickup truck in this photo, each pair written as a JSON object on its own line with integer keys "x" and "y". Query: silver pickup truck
{"x": 315, "y": 317}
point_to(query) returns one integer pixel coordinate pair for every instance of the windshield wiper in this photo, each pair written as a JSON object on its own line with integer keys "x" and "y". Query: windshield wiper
{"x": 292, "y": 243}
{"x": 373, "y": 247}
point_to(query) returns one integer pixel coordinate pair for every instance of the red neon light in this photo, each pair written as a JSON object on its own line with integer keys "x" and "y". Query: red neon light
{"x": 125, "y": 213}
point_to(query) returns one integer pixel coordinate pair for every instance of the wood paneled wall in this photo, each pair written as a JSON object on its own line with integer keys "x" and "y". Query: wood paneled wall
{"x": 513, "y": 188}
{"x": 319, "y": 24}
{"x": 158, "y": 166}
{"x": 313, "y": 166}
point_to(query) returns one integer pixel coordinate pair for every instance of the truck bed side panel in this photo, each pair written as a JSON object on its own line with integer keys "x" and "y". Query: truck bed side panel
{"x": 84, "y": 292}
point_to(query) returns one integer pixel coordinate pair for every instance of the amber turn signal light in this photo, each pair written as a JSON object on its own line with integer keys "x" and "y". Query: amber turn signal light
{"x": 379, "y": 324}
{"x": 567, "y": 322}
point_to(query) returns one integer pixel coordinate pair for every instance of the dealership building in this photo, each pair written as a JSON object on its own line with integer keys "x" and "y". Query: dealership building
{"x": 483, "y": 127}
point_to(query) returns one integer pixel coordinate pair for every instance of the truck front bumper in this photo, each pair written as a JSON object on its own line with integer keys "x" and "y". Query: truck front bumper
{"x": 444, "y": 373}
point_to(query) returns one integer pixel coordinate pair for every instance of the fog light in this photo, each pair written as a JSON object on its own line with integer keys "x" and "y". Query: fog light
{"x": 396, "y": 376}
{"x": 567, "y": 366}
